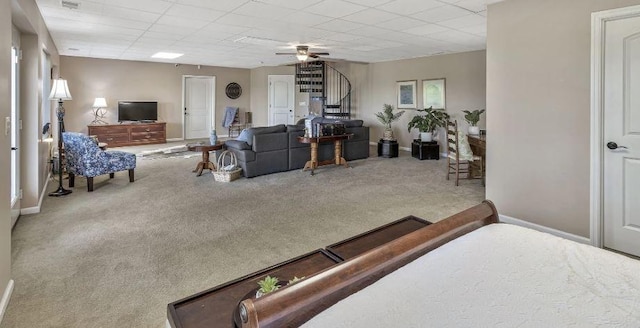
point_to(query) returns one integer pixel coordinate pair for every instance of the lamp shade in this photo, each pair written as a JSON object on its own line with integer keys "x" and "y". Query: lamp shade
{"x": 99, "y": 103}
{"x": 60, "y": 90}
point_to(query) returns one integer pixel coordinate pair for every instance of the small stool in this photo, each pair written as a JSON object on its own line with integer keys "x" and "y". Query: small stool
{"x": 387, "y": 148}
{"x": 425, "y": 149}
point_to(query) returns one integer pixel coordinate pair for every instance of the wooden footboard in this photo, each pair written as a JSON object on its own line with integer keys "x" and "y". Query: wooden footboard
{"x": 296, "y": 304}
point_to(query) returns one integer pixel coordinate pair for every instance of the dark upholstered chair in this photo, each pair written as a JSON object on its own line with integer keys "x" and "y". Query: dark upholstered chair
{"x": 85, "y": 158}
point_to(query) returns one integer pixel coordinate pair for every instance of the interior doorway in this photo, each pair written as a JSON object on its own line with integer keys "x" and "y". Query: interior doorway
{"x": 14, "y": 131}
{"x": 199, "y": 106}
{"x": 281, "y": 99}
{"x": 615, "y": 144}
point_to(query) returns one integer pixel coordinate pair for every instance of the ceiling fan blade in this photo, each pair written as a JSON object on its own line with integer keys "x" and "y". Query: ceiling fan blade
{"x": 320, "y": 53}
{"x": 286, "y": 53}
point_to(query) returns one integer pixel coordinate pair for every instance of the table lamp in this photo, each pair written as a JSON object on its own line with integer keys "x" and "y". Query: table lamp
{"x": 99, "y": 105}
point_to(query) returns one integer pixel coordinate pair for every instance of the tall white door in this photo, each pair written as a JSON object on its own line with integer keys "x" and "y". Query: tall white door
{"x": 281, "y": 99}
{"x": 199, "y": 110}
{"x": 622, "y": 135}
{"x": 15, "y": 137}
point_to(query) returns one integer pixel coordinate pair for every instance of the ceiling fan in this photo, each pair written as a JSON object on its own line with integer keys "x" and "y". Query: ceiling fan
{"x": 303, "y": 53}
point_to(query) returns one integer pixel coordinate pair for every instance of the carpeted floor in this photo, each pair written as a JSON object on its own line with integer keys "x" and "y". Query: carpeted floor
{"x": 117, "y": 256}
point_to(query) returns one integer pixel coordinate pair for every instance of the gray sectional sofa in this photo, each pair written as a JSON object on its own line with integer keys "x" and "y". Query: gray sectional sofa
{"x": 265, "y": 150}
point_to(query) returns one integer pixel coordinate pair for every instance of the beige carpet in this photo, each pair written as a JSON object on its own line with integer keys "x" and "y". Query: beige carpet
{"x": 117, "y": 256}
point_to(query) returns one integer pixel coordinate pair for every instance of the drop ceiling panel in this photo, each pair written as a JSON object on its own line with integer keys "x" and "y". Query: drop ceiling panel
{"x": 247, "y": 33}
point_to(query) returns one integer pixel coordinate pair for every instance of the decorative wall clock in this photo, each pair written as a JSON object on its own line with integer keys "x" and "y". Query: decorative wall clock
{"x": 233, "y": 90}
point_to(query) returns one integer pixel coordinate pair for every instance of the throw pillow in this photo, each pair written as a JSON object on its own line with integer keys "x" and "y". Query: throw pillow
{"x": 244, "y": 136}
{"x": 464, "y": 150}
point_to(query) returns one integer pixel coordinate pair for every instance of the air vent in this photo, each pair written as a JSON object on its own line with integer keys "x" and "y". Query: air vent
{"x": 258, "y": 41}
{"x": 73, "y": 49}
{"x": 70, "y": 4}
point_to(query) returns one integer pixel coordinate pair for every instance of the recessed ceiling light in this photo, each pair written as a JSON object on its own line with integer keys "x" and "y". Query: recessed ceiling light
{"x": 166, "y": 55}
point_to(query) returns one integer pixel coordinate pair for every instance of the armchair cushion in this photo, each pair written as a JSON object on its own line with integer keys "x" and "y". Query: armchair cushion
{"x": 83, "y": 157}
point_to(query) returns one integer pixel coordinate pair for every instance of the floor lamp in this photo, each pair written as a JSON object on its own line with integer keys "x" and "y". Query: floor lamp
{"x": 60, "y": 91}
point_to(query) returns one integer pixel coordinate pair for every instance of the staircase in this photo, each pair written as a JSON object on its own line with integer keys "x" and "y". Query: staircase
{"x": 327, "y": 86}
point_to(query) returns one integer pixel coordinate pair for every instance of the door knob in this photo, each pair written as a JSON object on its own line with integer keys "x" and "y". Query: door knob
{"x": 612, "y": 145}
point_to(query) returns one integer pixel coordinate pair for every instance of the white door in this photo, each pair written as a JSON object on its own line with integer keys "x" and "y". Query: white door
{"x": 281, "y": 99}
{"x": 199, "y": 110}
{"x": 622, "y": 135}
{"x": 15, "y": 138}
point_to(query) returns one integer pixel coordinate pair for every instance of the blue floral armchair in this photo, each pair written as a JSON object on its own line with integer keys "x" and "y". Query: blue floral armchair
{"x": 85, "y": 158}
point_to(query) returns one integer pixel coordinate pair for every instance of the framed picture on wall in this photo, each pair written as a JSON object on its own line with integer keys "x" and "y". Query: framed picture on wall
{"x": 406, "y": 94}
{"x": 433, "y": 93}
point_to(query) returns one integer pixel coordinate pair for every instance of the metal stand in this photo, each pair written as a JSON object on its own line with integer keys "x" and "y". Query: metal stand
{"x": 60, "y": 191}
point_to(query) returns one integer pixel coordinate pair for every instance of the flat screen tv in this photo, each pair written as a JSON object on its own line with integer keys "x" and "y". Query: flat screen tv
{"x": 146, "y": 111}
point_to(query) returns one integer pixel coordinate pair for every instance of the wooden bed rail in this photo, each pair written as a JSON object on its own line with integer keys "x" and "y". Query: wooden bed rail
{"x": 296, "y": 304}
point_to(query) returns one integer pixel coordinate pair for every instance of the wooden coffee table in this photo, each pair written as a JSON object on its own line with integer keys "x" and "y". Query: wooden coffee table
{"x": 205, "y": 148}
{"x": 337, "y": 150}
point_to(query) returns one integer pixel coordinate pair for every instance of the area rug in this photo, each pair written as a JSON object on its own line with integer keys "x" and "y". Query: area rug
{"x": 169, "y": 152}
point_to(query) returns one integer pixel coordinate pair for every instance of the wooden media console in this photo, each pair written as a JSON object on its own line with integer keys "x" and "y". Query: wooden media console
{"x": 130, "y": 134}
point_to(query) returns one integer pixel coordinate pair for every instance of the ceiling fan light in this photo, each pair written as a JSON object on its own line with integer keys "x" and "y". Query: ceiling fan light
{"x": 302, "y": 57}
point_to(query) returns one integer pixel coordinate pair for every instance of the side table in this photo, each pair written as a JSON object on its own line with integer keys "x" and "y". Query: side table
{"x": 205, "y": 148}
{"x": 387, "y": 148}
{"x": 425, "y": 149}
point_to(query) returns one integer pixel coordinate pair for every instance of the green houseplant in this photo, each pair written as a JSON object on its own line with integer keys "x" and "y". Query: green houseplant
{"x": 267, "y": 285}
{"x": 473, "y": 117}
{"x": 428, "y": 122}
{"x": 387, "y": 117}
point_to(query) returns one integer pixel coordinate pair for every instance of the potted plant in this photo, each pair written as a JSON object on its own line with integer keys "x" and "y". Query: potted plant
{"x": 473, "y": 117}
{"x": 267, "y": 285}
{"x": 428, "y": 122}
{"x": 387, "y": 117}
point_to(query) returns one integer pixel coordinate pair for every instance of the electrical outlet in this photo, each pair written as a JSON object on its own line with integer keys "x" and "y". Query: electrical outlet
{"x": 7, "y": 125}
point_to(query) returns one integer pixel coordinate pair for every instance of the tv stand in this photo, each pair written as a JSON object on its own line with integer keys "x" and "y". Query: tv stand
{"x": 130, "y": 134}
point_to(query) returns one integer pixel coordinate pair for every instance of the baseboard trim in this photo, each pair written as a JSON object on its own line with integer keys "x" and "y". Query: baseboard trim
{"x": 36, "y": 209}
{"x": 6, "y": 297}
{"x": 375, "y": 143}
{"x": 555, "y": 232}
{"x": 174, "y": 139}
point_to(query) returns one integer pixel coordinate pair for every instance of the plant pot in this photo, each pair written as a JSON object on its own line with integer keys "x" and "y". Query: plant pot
{"x": 426, "y": 136}
{"x": 388, "y": 135}
{"x": 474, "y": 130}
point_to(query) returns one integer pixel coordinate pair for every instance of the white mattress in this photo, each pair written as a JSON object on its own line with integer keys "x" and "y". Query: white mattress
{"x": 499, "y": 276}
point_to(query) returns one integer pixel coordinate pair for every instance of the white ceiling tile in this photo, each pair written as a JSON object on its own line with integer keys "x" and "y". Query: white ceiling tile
{"x": 400, "y": 23}
{"x": 370, "y": 3}
{"x": 440, "y": 14}
{"x": 343, "y": 37}
{"x": 480, "y": 30}
{"x": 187, "y": 23}
{"x": 339, "y": 25}
{"x": 204, "y": 14}
{"x": 370, "y": 16}
{"x": 153, "y": 6}
{"x": 305, "y": 19}
{"x": 473, "y": 5}
{"x": 464, "y": 21}
{"x": 221, "y": 5}
{"x": 426, "y": 29}
{"x": 455, "y": 37}
{"x": 334, "y": 8}
{"x": 408, "y": 7}
{"x": 132, "y": 14}
{"x": 297, "y": 4}
{"x": 369, "y": 31}
{"x": 257, "y": 9}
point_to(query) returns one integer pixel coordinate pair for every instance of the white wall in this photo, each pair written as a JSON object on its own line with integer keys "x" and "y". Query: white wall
{"x": 538, "y": 104}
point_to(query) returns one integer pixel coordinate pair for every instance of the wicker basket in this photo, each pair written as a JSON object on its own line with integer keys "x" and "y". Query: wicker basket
{"x": 220, "y": 174}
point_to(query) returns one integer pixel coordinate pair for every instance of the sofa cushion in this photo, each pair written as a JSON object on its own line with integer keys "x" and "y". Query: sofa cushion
{"x": 295, "y": 128}
{"x": 247, "y": 134}
{"x": 237, "y": 144}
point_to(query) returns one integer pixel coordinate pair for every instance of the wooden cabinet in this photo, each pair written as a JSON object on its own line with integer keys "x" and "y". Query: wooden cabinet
{"x": 132, "y": 134}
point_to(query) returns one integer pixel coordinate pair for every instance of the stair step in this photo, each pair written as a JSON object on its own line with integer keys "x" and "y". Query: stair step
{"x": 309, "y": 82}
{"x": 308, "y": 75}
{"x": 337, "y": 114}
{"x": 332, "y": 106}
